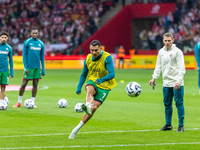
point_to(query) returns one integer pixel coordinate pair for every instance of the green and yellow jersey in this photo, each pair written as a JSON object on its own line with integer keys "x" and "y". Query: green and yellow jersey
{"x": 100, "y": 69}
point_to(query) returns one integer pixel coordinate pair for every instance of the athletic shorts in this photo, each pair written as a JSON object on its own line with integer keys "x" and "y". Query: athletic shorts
{"x": 101, "y": 94}
{"x": 4, "y": 77}
{"x": 33, "y": 74}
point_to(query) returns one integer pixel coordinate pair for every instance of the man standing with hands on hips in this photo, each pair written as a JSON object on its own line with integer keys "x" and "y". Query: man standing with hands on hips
{"x": 170, "y": 61}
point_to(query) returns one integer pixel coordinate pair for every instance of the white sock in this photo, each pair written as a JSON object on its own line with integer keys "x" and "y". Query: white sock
{"x": 20, "y": 99}
{"x": 2, "y": 100}
{"x": 78, "y": 127}
{"x": 33, "y": 99}
{"x": 88, "y": 104}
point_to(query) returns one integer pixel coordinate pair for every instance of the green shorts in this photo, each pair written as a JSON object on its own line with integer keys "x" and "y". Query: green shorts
{"x": 101, "y": 94}
{"x": 33, "y": 74}
{"x": 4, "y": 77}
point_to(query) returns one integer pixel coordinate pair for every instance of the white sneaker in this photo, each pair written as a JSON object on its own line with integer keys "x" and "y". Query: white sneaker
{"x": 86, "y": 109}
{"x": 72, "y": 135}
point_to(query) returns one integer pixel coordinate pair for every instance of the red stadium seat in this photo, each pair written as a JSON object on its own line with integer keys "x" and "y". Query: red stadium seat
{"x": 20, "y": 53}
{"x": 48, "y": 53}
{"x": 58, "y": 53}
{"x": 19, "y": 20}
{"x": 25, "y": 19}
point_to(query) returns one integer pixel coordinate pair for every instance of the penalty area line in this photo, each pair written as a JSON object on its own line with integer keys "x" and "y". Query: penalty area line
{"x": 116, "y": 145}
{"x": 92, "y": 132}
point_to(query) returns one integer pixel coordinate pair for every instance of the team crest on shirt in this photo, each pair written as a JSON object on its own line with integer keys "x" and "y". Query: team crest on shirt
{"x": 170, "y": 55}
{"x": 6, "y": 48}
{"x": 39, "y": 45}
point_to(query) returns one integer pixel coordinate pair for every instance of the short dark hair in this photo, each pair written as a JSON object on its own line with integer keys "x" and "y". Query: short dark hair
{"x": 4, "y": 33}
{"x": 34, "y": 28}
{"x": 95, "y": 43}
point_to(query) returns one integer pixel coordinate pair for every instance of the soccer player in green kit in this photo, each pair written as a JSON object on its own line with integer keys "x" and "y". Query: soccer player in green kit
{"x": 197, "y": 56}
{"x": 99, "y": 69}
{"x": 5, "y": 52}
{"x": 33, "y": 54}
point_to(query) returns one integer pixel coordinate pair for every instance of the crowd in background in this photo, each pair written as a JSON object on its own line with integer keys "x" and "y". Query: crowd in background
{"x": 73, "y": 21}
{"x": 183, "y": 23}
{"x": 58, "y": 21}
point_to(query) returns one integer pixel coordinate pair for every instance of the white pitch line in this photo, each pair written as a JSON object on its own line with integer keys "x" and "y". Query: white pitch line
{"x": 117, "y": 145}
{"x": 43, "y": 88}
{"x": 118, "y": 131}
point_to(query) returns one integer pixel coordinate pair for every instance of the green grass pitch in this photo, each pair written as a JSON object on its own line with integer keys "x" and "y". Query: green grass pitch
{"x": 121, "y": 122}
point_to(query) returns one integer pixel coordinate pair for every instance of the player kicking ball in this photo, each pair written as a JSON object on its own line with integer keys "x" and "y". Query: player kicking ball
{"x": 33, "y": 54}
{"x": 99, "y": 68}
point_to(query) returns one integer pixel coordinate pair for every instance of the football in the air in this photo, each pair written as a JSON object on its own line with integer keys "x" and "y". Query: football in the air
{"x": 78, "y": 108}
{"x": 133, "y": 89}
{"x": 29, "y": 104}
{"x": 3, "y": 105}
{"x": 62, "y": 103}
{"x": 6, "y": 100}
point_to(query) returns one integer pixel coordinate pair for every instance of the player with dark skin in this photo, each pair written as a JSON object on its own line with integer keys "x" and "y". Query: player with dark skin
{"x": 34, "y": 35}
{"x": 33, "y": 55}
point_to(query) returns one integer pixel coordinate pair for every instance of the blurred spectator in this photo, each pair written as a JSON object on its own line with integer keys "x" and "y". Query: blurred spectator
{"x": 152, "y": 39}
{"x": 123, "y": 2}
{"x": 15, "y": 41}
{"x": 121, "y": 55}
{"x": 176, "y": 15}
{"x": 196, "y": 38}
{"x": 144, "y": 39}
{"x": 159, "y": 41}
{"x": 187, "y": 39}
{"x": 132, "y": 51}
{"x": 53, "y": 52}
{"x": 102, "y": 47}
{"x": 170, "y": 18}
{"x": 15, "y": 51}
{"x": 116, "y": 49}
{"x": 178, "y": 40}
{"x": 81, "y": 51}
{"x": 155, "y": 27}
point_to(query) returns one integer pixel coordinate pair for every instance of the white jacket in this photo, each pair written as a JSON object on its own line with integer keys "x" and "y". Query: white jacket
{"x": 171, "y": 63}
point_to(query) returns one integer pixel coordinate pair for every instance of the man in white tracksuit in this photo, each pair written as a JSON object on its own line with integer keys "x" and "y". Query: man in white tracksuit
{"x": 170, "y": 61}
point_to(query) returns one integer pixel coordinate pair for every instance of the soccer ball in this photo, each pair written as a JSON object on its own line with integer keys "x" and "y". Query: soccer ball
{"x": 6, "y": 100}
{"x": 133, "y": 89}
{"x": 62, "y": 103}
{"x": 78, "y": 108}
{"x": 29, "y": 104}
{"x": 3, "y": 105}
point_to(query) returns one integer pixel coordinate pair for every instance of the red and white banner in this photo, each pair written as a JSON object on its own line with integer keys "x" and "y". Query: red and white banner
{"x": 149, "y": 10}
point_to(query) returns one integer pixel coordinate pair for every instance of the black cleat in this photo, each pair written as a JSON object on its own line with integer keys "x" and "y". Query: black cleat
{"x": 166, "y": 127}
{"x": 180, "y": 129}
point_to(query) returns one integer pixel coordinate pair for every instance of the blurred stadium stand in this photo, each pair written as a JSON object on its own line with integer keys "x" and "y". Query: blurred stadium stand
{"x": 59, "y": 21}
{"x": 183, "y": 23}
{"x": 71, "y": 22}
